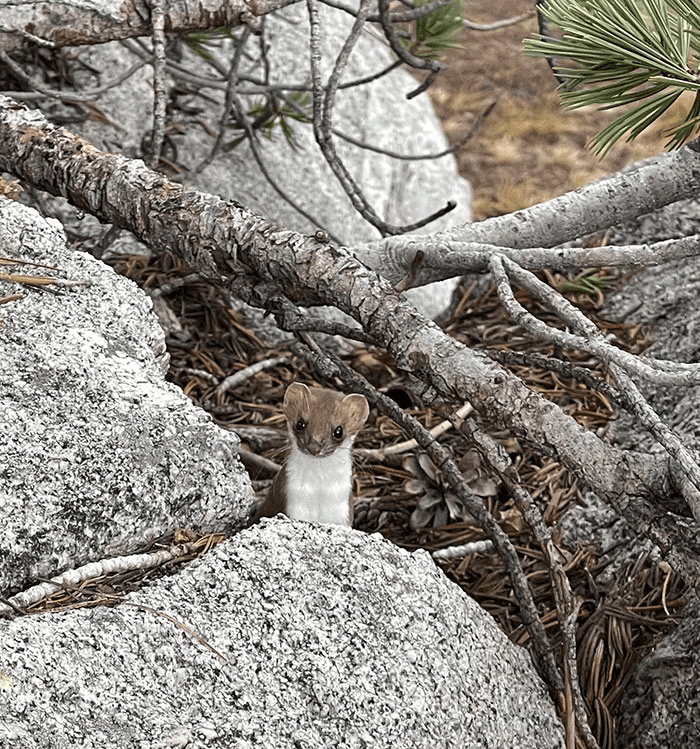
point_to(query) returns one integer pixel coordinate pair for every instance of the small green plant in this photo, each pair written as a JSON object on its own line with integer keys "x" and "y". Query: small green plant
{"x": 274, "y": 111}
{"x": 590, "y": 281}
{"x": 626, "y": 52}
{"x": 438, "y": 31}
{"x": 198, "y": 41}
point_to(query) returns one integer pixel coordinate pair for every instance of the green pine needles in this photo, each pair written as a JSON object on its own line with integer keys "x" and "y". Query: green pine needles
{"x": 439, "y": 30}
{"x": 625, "y": 52}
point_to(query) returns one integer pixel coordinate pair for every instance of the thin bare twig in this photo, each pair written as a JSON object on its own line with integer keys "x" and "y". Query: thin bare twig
{"x": 634, "y": 401}
{"x": 421, "y": 156}
{"x": 261, "y": 437}
{"x": 381, "y": 453}
{"x": 566, "y": 603}
{"x": 323, "y": 101}
{"x": 289, "y": 317}
{"x": 419, "y": 63}
{"x": 255, "y": 150}
{"x": 176, "y": 283}
{"x": 562, "y": 368}
{"x": 463, "y": 550}
{"x": 412, "y": 14}
{"x": 63, "y": 95}
{"x": 94, "y": 569}
{"x": 258, "y": 86}
{"x": 201, "y": 374}
{"x": 253, "y": 460}
{"x": 234, "y": 380}
{"x": 590, "y": 339}
{"x": 38, "y": 40}
{"x": 619, "y": 363}
{"x": 231, "y": 90}
{"x": 160, "y": 84}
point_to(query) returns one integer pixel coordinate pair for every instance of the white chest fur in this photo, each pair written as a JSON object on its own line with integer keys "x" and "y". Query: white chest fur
{"x": 318, "y": 489}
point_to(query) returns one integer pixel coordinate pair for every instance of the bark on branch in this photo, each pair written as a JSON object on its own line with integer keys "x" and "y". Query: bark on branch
{"x": 99, "y": 21}
{"x": 615, "y": 200}
{"x": 229, "y": 244}
{"x": 441, "y": 259}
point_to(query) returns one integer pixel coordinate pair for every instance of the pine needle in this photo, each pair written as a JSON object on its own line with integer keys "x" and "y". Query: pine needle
{"x": 615, "y": 53}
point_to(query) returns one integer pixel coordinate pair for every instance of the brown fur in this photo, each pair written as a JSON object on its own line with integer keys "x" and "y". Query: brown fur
{"x": 323, "y": 410}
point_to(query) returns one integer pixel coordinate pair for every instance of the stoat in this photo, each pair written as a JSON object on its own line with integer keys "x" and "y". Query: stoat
{"x": 315, "y": 481}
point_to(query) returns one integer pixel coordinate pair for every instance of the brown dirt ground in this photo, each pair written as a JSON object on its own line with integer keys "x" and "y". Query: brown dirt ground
{"x": 529, "y": 149}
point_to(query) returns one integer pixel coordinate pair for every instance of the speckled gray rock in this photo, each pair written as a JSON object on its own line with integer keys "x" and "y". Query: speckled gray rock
{"x": 286, "y": 635}
{"x": 98, "y": 454}
{"x": 661, "y": 706}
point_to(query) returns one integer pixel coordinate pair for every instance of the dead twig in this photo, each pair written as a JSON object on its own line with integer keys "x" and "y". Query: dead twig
{"x": 381, "y": 453}
{"x": 589, "y": 338}
{"x": 40, "y": 280}
{"x": 160, "y": 84}
{"x": 620, "y": 364}
{"x": 253, "y": 460}
{"x": 474, "y": 547}
{"x": 407, "y": 281}
{"x": 234, "y": 380}
{"x": 419, "y": 63}
{"x": 74, "y": 577}
{"x": 420, "y": 156}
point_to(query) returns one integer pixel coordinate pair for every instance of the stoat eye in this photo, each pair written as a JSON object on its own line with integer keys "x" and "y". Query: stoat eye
{"x": 338, "y": 433}
{"x": 300, "y": 424}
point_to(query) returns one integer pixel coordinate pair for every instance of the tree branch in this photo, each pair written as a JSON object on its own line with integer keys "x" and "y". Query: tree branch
{"x": 615, "y": 200}
{"x": 588, "y": 338}
{"x": 449, "y": 259}
{"x": 160, "y": 84}
{"x": 98, "y": 21}
{"x": 420, "y": 63}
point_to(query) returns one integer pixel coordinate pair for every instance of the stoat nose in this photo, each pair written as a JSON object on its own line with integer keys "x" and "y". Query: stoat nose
{"x": 314, "y": 447}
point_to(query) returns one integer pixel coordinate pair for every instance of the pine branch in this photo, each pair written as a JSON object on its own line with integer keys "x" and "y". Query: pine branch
{"x": 625, "y": 52}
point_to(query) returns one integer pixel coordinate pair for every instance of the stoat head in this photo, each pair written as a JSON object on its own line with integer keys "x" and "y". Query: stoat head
{"x": 322, "y": 421}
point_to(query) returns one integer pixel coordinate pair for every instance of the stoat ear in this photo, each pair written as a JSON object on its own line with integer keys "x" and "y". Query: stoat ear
{"x": 356, "y": 408}
{"x": 296, "y": 398}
